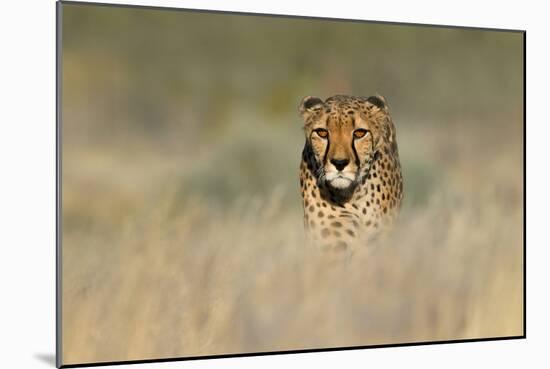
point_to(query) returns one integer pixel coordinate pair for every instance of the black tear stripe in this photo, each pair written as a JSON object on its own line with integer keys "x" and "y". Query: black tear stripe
{"x": 326, "y": 152}
{"x": 357, "y": 163}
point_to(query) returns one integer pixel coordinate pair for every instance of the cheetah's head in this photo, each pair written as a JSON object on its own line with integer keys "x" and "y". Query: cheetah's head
{"x": 344, "y": 133}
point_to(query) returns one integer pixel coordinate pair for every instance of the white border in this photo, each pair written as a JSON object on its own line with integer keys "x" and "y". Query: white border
{"x": 27, "y": 161}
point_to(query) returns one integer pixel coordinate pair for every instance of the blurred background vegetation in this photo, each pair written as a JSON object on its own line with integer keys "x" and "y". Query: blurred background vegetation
{"x": 181, "y": 213}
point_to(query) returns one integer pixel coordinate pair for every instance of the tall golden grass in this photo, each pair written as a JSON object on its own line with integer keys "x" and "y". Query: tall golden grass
{"x": 153, "y": 267}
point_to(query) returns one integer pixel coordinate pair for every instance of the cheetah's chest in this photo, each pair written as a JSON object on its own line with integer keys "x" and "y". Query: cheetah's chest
{"x": 371, "y": 208}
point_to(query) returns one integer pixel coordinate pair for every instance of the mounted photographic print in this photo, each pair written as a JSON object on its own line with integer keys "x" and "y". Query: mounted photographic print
{"x": 241, "y": 184}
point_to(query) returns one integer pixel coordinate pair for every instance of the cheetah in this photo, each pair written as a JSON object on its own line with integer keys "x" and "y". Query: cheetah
{"x": 350, "y": 174}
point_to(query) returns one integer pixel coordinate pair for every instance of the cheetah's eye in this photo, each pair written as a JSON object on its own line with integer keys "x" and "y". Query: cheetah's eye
{"x": 358, "y": 133}
{"x": 321, "y": 132}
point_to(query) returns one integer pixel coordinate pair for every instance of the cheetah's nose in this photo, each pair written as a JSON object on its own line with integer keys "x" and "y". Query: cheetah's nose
{"x": 339, "y": 163}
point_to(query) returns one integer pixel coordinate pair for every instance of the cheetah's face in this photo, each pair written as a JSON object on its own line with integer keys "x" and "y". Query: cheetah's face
{"x": 342, "y": 141}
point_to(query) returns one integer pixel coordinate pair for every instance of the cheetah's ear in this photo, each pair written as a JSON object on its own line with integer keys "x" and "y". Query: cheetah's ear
{"x": 379, "y": 101}
{"x": 309, "y": 105}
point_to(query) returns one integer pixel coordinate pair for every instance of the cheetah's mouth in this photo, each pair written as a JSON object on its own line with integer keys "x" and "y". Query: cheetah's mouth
{"x": 340, "y": 180}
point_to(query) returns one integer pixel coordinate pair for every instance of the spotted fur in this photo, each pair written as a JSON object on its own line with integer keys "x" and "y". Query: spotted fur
{"x": 350, "y": 174}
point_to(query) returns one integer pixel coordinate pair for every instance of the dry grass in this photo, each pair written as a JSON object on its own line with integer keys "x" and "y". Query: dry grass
{"x": 149, "y": 272}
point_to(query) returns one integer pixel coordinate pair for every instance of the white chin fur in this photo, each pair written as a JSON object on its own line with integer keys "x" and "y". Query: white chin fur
{"x": 340, "y": 182}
